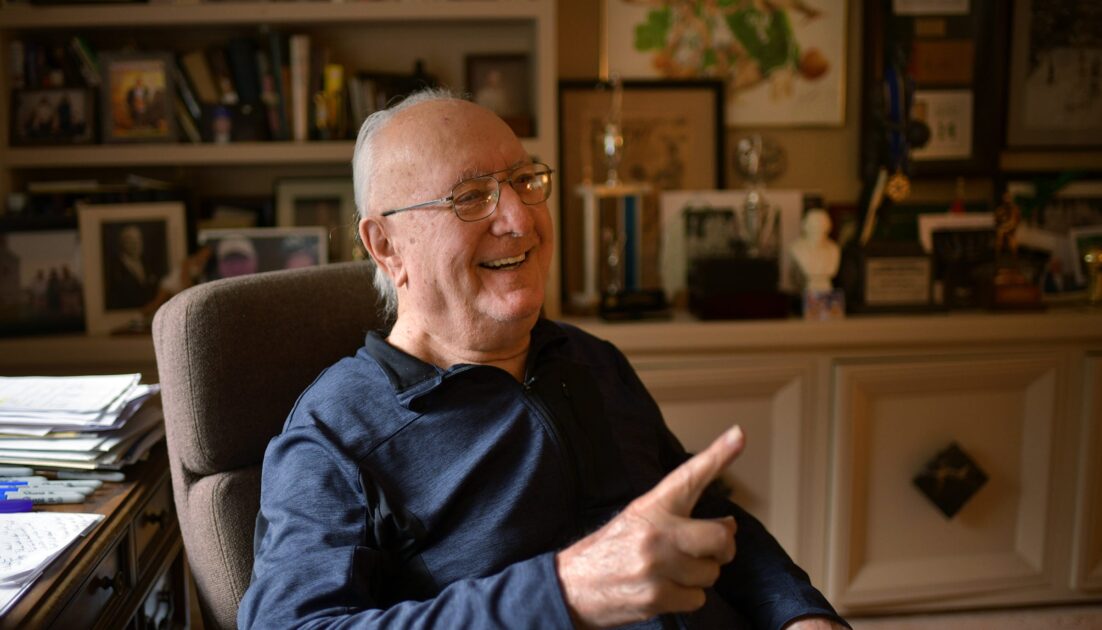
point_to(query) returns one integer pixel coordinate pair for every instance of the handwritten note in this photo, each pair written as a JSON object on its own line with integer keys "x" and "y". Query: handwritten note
{"x": 30, "y": 541}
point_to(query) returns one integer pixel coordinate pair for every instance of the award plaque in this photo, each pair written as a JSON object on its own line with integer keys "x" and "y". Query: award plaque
{"x": 894, "y": 277}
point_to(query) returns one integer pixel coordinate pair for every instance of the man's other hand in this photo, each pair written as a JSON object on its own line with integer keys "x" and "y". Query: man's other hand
{"x": 652, "y": 558}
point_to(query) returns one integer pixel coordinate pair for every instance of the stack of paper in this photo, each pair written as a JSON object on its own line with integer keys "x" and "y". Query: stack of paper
{"x": 81, "y": 422}
{"x": 29, "y": 543}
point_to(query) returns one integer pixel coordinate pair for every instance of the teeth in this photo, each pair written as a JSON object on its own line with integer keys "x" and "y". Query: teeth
{"x": 505, "y": 262}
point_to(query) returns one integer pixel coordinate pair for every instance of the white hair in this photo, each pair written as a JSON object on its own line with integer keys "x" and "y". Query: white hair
{"x": 363, "y": 164}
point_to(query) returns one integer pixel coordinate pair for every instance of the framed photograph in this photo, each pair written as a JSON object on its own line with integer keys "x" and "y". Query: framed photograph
{"x": 503, "y": 84}
{"x": 41, "y": 281}
{"x": 238, "y": 252}
{"x": 1083, "y": 240}
{"x": 53, "y": 116}
{"x": 673, "y": 139}
{"x": 128, "y": 251}
{"x": 137, "y": 97}
{"x": 946, "y": 85}
{"x": 327, "y": 202}
{"x": 784, "y": 64}
{"x": 1056, "y": 53}
{"x": 679, "y": 238}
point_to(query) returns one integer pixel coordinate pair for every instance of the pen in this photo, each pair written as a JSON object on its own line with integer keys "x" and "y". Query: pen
{"x": 102, "y": 475}
{"x": 71, "y": 483}
{"x": 44, "y": 497}
{"x": 43, "y": 488}
{"x": 15, "y": 471}
{"x": 10, "y": 506}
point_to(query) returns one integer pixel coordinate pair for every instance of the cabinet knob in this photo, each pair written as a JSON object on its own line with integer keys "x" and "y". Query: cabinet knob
{"x": 155, "y": 518}
{"x": 110, "y": 583}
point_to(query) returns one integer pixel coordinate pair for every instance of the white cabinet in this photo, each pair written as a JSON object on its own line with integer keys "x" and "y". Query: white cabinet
{"x": 1087, "y": 556}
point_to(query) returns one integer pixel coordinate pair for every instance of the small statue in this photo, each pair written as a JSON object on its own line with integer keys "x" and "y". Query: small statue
{"x": 1007, "y": 219}
{"x": 814, "y": 253}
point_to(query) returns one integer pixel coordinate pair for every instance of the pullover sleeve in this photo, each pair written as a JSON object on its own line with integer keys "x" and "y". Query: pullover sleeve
{"x": 316, "y": 566}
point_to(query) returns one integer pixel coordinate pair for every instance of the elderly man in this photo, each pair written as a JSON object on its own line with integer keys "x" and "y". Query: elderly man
{"x": 481, "y": 467}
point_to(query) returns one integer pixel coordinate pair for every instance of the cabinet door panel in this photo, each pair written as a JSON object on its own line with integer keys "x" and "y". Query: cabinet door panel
{"x": 890, "y": 545}
{"x": 1087, "y": 557}
{"x": 701, "y": 400}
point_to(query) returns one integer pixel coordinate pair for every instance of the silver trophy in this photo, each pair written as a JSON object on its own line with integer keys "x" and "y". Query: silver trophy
{"x": 758, "y": 160}
{"x": 612, "y": 134}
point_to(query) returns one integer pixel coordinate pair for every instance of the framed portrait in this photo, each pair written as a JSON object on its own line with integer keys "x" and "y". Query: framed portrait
{"x": 503, "y": 84}
{"x": 1056, "y": 53}
{"x": 784, "y": 64}
{"x": 938, "y": 110}
{"x": 327, "y": 202}
{"x": 128, "y": 251}
{"x": 137, "y": 97}
{"x": 41, "y": 281}
{"x": 238, "y": 252}
{"x": 673, "y": 139}
{"x": 53, "y": 116}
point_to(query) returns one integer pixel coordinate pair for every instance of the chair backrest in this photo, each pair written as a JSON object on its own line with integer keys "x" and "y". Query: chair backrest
{"x": 233, "y": 355}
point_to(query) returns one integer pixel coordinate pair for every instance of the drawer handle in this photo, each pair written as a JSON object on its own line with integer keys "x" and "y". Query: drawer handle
{"x": 156, "y": 518}
{"x": 111, "y": 583}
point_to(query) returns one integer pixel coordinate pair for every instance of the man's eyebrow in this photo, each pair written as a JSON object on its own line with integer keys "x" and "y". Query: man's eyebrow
{"x": 471, "y": 173}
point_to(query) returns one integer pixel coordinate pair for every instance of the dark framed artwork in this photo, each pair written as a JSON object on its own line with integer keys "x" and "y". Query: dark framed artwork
{"x": 53, "y": 116}
{"x": 324, "y": 201}
{"x": 503, "y": 83}
{"x": 137, "y": 97}
{"x": 933, "y": 87}
{"x": 41, "y": 280}
{"x": 1055, "y": 74}
{"x": 673, "y": 139}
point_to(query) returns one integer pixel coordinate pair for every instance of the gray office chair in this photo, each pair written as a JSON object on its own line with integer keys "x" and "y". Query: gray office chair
{"x": 233, "y": 355}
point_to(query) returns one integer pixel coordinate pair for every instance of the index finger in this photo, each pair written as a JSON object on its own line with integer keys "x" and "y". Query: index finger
{"x": 679, "y": 491}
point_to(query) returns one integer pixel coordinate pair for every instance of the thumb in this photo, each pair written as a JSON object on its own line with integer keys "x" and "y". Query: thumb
{"x": 679, "y": 491}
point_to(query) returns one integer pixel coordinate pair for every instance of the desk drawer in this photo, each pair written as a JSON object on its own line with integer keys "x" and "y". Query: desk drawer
{"x": 108, "y": 585}
{"x": 155, "y": 517}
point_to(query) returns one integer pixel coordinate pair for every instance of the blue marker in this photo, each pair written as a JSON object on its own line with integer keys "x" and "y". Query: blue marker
{"x": 11, "y": 506}
{"x": 39, "y": 487}
{"x": 72, "y": 483}
{"x": 44, "y": 497}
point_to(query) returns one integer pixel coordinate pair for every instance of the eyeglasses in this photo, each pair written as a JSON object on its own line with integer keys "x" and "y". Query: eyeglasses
{"x": 476, "y": 198}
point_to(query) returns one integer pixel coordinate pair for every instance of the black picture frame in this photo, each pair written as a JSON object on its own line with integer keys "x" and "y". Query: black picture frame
{"x": 674, "y": 138}
{"x": 53, "y": 116}
{"x": 41, "y": 280}
{"x": 953, "y": 60}
{"x": 503, "y": 83}
{"x": 137, "y": 97}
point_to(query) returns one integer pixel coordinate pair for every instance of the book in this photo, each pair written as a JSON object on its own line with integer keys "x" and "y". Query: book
{"x": 187, "y": 123}
{"x": 198, "y": 73}
{"x": 241, "y": 57}
{"x": 268, "y": 95}
{"x": 277, "y": 57}
{"x": 17, "y": 64}
{"x": 187, "y": 93}
{"x": 86, "y": 61}
{"x": 299, "y": 48}
{"x": 223, "y": 79}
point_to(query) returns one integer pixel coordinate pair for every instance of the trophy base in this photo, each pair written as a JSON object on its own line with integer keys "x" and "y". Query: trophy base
{"x": 739, "y": 305}
{"x": 1013, "y": 291}
{"x": 634, "y": 304}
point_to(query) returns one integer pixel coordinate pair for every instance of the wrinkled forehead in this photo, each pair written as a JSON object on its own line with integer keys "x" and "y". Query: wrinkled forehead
{"x": 430, "y": 147}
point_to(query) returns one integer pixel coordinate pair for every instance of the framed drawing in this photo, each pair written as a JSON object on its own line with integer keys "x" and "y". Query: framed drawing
{"x": 128, "y": 251}
{"x": 784, "y": 64}
{"x": 1084, "y": 240}
{"x": 41, "y": 280}
{"x": 53, "y": 116}
{"x": 933, "y": 80}
{"x": 673, "y": 138}
{"x": 503, "y": 84}
{"x": 327, "y": 202}
{"x": 137, "y": 97}
{"x": 1056, "y": 56}
{"x": 238, "y": 252}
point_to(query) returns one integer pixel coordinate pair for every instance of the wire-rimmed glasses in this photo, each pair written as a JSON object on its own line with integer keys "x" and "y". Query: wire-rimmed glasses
{"x": 476, "y": 198}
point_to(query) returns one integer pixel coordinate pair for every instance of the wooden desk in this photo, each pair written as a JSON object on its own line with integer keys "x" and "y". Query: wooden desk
{"x": 127, "y": 571}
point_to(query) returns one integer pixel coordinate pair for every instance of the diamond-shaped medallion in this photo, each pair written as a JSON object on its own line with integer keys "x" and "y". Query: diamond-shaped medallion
{"x": 950, "y": 479}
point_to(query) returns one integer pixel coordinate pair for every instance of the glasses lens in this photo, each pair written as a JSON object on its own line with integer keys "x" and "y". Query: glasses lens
{"x": 532, "y": 183}
{"x": 476, "y": 198}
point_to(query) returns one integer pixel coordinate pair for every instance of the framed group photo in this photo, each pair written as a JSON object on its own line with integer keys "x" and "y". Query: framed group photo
{"x": 128, "y": 251}
{"x": 673, "y": 139}
{"x": 239, "y": 252}
{"x": 41, "y": 291}
{"x": 327, "y": 202}
{"x": 137, "y": 97}
{"x": 53, "y": 116}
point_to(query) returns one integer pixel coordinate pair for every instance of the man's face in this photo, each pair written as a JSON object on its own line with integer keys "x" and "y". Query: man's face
{"x": 130, "y": 241}
{"x": 457, "y": 276}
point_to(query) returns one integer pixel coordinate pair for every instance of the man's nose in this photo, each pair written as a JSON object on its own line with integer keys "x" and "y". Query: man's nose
{"x": 513, "y": 215}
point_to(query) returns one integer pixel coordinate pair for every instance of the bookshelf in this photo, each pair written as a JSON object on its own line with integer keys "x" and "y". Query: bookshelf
{"x": 385, "y": 36}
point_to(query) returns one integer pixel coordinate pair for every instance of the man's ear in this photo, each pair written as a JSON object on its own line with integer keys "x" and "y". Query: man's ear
{"x": 381, "y": 248}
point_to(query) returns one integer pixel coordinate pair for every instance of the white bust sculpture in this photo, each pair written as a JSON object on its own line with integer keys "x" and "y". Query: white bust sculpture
{"x": 814, "y": 253}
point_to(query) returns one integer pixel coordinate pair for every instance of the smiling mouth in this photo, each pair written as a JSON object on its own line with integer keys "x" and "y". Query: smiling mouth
{"x": 505, "y": 263}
